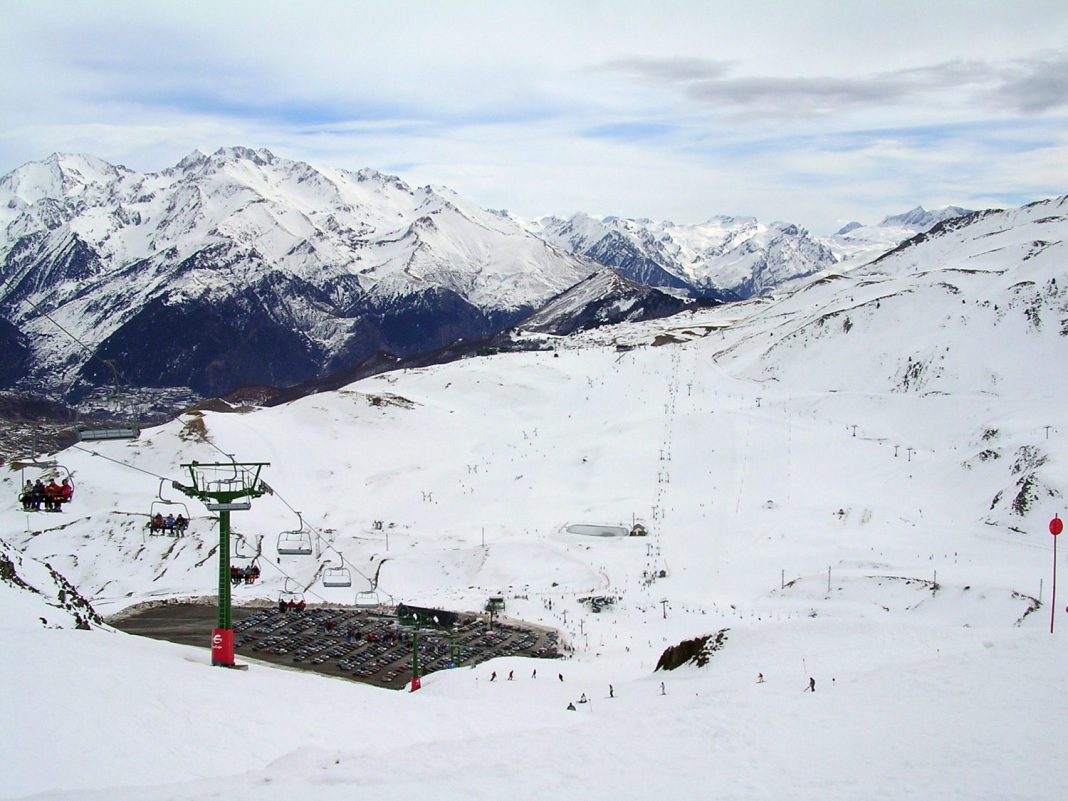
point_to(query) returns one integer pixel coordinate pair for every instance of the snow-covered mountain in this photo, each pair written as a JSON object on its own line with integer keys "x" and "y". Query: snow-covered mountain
{"x": 920, "y": 219}
{"x": 722, "y": 258}
{"x": 242, "y": 267}
{"x": 855, "y": 243}
{"x": 852, "y": 481}
{"x": 605, "y": 298}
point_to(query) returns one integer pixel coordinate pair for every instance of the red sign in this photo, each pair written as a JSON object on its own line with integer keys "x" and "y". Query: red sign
{"x": 1056, "y": 526}
{"x": 222, "y": 647}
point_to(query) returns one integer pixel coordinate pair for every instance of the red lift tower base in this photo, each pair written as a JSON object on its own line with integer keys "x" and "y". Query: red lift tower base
{"x": 222, "y": 647}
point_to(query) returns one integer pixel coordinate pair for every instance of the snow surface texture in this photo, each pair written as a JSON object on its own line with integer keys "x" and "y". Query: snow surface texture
{"x": 845, "y": 514}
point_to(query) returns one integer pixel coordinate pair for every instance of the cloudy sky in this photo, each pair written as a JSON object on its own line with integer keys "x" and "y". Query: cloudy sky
{"x": 812, "y": 112}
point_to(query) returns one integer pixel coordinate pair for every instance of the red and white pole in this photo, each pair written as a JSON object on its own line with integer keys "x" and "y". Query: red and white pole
{"x": 1056, "y": 526}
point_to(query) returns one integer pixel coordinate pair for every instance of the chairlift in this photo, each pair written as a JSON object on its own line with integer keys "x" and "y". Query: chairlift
{"x": 50, "y": 470}
{"x": 118, "y": 432}
{"x": 249, "y": 574}
{"x": 294, "y": 543}
{"x": 291, "y": 594}
{"x": 368, "y": 599}
{"x": 297, "y": 542}
{"x": 163, "y": 507}
{"x": 337, "y": 576}
{"x": 105, "y": 434}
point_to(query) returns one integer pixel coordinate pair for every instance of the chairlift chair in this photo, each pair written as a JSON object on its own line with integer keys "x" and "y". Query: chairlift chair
{"x": 126, "y": 430}
{"x": 295, "y": 543}
{"x": 168, "y": 507}
{"x": 290, "y": 592}
{"x": 367, "y": 599}
{"x": 164, "y": 506}
{"x": 50, "y": 470}
{"x": 337, "y": 577}
{"x": 105, "y": 434}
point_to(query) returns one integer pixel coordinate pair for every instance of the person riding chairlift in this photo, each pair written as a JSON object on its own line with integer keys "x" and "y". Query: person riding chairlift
{"x": 38, "y": 495}
{"x": 52, "y": 496}
{"x": 157, "y": 523}
{"x": 27, "y": 496}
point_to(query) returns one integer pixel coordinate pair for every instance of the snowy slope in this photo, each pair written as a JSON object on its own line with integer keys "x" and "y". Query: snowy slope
{"x": 32, "y": 593}
{"x": 855, "y": 244}
{"x": 841, "y": 514}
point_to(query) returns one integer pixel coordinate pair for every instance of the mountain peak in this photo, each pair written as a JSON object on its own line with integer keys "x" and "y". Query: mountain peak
{"x": 194, "y": 159}
{"x": 261, "y": 156}
{"x": 922, "y": 219}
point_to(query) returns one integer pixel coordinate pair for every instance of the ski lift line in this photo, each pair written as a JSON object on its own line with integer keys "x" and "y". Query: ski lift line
{"x": 324, "y": 541}
{"x": 92, "y": 354}
{"x": 120, "y": 462}
{"x": 306, "y": 591}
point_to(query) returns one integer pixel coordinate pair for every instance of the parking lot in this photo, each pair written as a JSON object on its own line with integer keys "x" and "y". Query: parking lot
{"x": 341, "y": 641}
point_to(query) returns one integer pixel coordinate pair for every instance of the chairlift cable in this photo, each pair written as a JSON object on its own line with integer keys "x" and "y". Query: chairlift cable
{"x": 278, "y": 567}
{"x": 324, "y": 539}
{"x": 261, "y": 555}
{"x": 318, "y": 534}
{"x": 120, "y": 462}
{"x": 92, "y": 354}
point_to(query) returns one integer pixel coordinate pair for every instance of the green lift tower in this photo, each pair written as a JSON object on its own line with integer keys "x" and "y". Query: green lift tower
{"x": 224, "y": 487}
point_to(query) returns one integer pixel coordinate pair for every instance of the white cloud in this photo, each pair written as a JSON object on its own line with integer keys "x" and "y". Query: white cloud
{"x": 679, "y": 110}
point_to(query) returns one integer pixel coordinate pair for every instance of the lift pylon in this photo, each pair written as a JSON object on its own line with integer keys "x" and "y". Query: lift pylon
{"x": 224, "y": 487}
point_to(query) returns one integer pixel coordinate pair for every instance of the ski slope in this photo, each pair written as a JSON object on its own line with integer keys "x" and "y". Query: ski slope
{"x": 838, "y": 522}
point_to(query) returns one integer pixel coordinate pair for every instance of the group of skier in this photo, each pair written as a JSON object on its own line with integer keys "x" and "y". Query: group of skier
{"x": 244, "y": 575}
{"x": 170, "y": 525}
{"x": 51, "y": 496}
{"x": 291, "y": 605}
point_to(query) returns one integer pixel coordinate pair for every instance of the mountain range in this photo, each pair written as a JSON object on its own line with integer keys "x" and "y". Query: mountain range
{"x": 241, "y": 268}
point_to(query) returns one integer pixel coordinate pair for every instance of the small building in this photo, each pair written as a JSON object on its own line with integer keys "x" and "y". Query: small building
{"x": 421, "y": 616}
